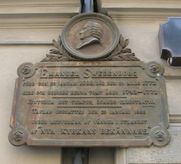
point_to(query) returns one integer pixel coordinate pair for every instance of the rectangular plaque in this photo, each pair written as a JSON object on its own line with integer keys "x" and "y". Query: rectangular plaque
{"x": 102, "y": 103}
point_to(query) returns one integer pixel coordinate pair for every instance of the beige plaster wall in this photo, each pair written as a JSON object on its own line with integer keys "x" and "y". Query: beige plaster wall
{"x": 26, "y": 31}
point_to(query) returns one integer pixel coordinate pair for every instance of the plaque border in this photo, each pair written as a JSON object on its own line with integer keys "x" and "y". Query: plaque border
{"x": 159, "y": 136}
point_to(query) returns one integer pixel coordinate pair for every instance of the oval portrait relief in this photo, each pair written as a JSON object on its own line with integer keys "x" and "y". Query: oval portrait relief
{"x": 90, "y": 36}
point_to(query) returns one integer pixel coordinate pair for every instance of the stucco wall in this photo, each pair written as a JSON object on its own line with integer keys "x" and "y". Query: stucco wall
{"x": 26, "y": 31}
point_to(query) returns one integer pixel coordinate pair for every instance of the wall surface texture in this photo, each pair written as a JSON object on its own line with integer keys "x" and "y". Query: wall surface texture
{"x": 26, "y": 32}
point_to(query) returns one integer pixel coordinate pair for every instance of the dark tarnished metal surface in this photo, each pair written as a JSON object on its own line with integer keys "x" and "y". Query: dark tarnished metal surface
{"x": 87, "y": 6}
{"x": 90, "y": 6}
{"x": 97, "y": 103}
{"x": 170, "y": 41}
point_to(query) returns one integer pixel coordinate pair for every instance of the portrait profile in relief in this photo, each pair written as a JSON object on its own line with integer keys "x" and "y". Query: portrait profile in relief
{"x": 91, "y": 33}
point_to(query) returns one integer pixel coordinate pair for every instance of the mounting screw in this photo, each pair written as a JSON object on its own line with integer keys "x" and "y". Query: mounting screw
{"x": 17, "y": 137}
{"x": 26, "y": 70}
{"x": 154, "y": 68}
{"x": 160, "y": 136}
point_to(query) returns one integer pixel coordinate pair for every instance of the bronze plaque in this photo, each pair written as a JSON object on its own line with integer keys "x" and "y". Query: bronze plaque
{"x": 84, "y": 104}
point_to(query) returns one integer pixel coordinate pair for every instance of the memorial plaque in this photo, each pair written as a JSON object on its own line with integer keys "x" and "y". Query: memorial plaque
{"x": 91, "y": 90}
{"x": 105, "y": 103}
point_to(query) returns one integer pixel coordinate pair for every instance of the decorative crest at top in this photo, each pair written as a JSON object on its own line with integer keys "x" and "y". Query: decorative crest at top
{"x": 91, "y": 35}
